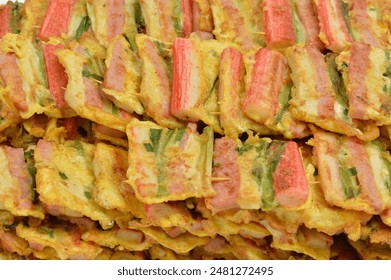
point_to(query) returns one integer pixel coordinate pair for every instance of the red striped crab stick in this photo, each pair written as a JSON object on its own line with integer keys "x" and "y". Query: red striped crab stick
{"x": 367, "y": 77}
{"x": 353, "y": 174}
{"x": 275, "y": 177}
{"x": 319, "y": 95}
{"x": 269, "y": 92}
{"x": 64, "y": 17}
{"x": 289, "y": 22}
{"x": 334, "y": 31}
{"x": 169, "y": 164}
{"x": 195, "y": 78}
{"x": 56, "y": 78}
{"x": 5, "y": 14}
{"x": 167, "y": 19}
{"x": 239, "y": 21}
{"x": 279, "y": 27}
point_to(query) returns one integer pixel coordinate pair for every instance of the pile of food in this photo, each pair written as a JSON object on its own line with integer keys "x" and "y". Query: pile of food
{"x": 195, "y": 129}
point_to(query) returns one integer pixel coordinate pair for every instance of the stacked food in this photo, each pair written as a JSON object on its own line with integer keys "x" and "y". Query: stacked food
{"x": 195, "y": 129}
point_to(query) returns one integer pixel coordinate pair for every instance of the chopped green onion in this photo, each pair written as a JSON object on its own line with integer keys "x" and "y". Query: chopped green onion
{"x": 246, "y": 147}
{"x": 88, "y": 74}
{"x": 83, "y": 27}
{"x": 88, "y": 195}
{"x": 63, "y": 175}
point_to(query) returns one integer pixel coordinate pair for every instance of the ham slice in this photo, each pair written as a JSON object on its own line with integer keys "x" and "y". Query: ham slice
{"x": 9, "y": 73}
{"x": 45, "y": 149}
{"x": 357, "y": 72}
{"x": 92, "y": 94}
{"x": 116, "y": 73}
{"x": 225, "y": 158}
{"x": 115, "y": 17}
{"x": 18, "y": 169}
{"x": 323, "y": 83}
{"x": 187, "y": 14}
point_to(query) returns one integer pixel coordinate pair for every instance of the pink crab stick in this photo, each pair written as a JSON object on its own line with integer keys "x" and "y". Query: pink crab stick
{"x": 5, "y": 13}
{"x": 56, "y": 76}
{"x": 261, "y": 101}
{"x": 57, "y": 19}
{"x": 279, "y": 28}
{"x": 289, "y": 179}
{"x": 185, "y": 92}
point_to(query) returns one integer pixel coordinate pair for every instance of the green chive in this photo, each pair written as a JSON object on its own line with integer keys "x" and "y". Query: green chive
{"x": 353, "y": 171}
{"x": 48, "y": 231}
{"x": 88, "y": 74}
{"x": 79, "y": 147}
{"x": 213, "y": 87}
{"x": 148, "y": 147}
{"x": 83, "y": 27}
{"x": 179, "y": 135}
{"x": 139, "y": 17}
{"x": 246, "y": 147}
{"x": 177, "y": 20}
{"x": 283, "y": 99}
{"x": 88, "y": 195}
{"x": 63, "y": 175}
{"x": 114, "y": 109}
{"x": 154, "y": 136}
{"x": 15, "y": 17}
